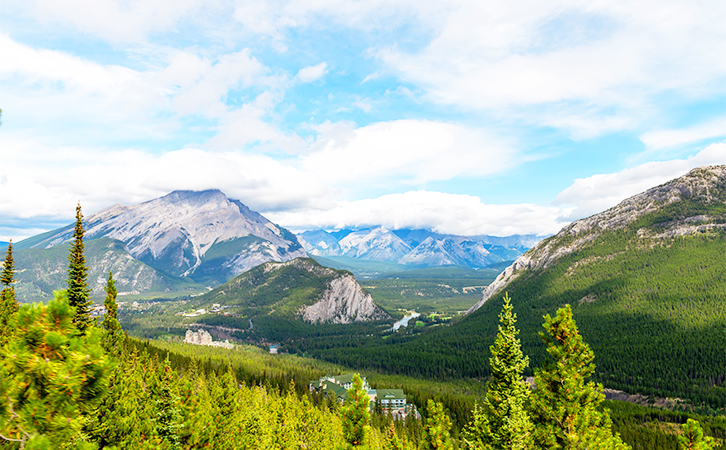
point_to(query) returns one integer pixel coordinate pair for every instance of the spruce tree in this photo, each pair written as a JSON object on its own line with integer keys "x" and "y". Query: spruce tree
{"x": 503, "y": 421}
{"x": 78, "y": 291}
{"x": 8, "y": 304}
{"x": 565, "y": 408}
{"x": 112, "y": 333}
{"x": 50, "y": 378}
{"x": 438, "y": 425}
{"x": 356, "y": 414}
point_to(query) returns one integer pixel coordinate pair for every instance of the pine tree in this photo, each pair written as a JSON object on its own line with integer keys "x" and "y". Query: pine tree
{"x": 693, "y": 439}
{"x": 438, "y": 425}
{"x": 503, "y": 421}
{"x": 356, "y": 414}
{"x": 50, "y": 378}
{"x": 8, "y": 274}
{"x": 113, "y": 336}
{"x": 8, "y": 304}
{"x": 565, "y": 407}
{"x": 78, "y": 291}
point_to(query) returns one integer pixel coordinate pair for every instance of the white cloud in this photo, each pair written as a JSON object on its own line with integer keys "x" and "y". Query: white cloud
{"x": 312, "y": 73}
{"x": 660, "y": 139}
{"x": 406, "y": 152}
{"x": 40, "y": 182}
{"x": 611, "y": 58}
{"x": 441, "y": 212}
{"x": 200, "y": 85}
{"x": 599, "y": 192}
{"x": 118, "y": 21}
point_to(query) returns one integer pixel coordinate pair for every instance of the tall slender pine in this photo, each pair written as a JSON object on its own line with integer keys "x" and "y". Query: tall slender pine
{"x": 356, "y": 415}
{"x": 112, "y": 332}
{"x": 503, "y": 421}
{"x": 78, "y": 291}
{"x": 8, "y": 304}
{"x": 565, "y": 408}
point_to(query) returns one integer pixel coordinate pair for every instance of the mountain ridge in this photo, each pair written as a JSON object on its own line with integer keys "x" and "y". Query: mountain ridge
{"x": 573, "y": 236}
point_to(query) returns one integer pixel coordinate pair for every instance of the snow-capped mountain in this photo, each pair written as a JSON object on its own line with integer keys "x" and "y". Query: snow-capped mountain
{"x": 377, "y": 244}
{"x": 200, "y": 235}
{"x": 416, "y": 247}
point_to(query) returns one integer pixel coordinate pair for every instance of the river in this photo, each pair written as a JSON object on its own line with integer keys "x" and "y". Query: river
{"x": 404, "y": 321}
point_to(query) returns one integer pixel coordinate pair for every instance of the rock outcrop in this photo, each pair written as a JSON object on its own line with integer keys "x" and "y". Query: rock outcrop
{"x": 344, "y": 301}
{"x": 705, "y": 185}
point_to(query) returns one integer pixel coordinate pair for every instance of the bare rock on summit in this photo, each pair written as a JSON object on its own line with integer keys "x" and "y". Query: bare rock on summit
{"x": 703, "y": 185}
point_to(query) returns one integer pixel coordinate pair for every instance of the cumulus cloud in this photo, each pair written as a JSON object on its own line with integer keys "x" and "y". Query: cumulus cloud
{"x": 441, "y": 212}
{"x": 406, "y": 152}
{"x": 42, "y": 182}
{"x": 312, "y": 73}
{"x": 599, "y": 192}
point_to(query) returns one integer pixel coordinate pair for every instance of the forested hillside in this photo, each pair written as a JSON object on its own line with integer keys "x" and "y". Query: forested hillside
{"x": 649, "y": 295}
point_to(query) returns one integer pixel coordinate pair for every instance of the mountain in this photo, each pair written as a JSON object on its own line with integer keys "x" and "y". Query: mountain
{"x": 200, "y": 236}
{"x": 298, "y": 289}
{"x": 674, "y": 209}
{"x": 41, "y": 271}
{"x": 415, "y": 247}
{"x": 647, "y": 284}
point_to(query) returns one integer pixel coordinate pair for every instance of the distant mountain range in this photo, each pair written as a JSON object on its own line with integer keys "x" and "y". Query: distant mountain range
{"x": 420, "y": 248}
{"x": 188, "y": 240}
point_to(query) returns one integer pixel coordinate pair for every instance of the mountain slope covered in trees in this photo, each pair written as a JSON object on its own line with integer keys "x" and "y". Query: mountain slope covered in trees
{"x": 647, "y": 284}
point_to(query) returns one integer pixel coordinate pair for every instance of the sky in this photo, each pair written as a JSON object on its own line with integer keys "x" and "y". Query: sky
{"x": 470, "y": 117}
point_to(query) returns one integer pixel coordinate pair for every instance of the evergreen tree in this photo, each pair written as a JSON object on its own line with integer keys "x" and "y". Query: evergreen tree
{"x": 168, "y": 418}
{"x": 438, "y": 425}
{"x": 693, "y": 439}
{"x": 8, "y": 274}
{"x": 50, "y": 378}
{"x": 8, "y": 304}
{"x": 112, "y": 333}
{"x": 565, "y": 407}
{"x": 503, "y": 421}
{"x": 356, "y": 414}
{"x": 78, "y": 291}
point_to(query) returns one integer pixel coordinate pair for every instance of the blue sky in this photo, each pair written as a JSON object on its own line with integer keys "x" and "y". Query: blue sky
{"x": 465, "y": 117}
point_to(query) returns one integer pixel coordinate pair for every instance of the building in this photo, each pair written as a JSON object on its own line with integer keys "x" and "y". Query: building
{"x": 202, "y": 337}
{"x": 391, "y": 401}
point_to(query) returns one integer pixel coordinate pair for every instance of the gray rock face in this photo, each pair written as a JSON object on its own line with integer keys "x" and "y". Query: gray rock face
{"x": 706, "y": 184}
{"x": 344, "y": 301}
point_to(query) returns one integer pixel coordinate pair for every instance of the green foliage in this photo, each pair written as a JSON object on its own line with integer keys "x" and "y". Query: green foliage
{"x": 8, "y": 303}
{"x": 7, "y": 276}
{"x": 503, "y": 421}
{"x": 50, "y": 378}
{"x": 565, "y": 406}
{"x": 112, "y": 333}
{"x": 438, "y": 425}
{"x": 356, "y": 415}
{"x": 78, "y": 291}
{"x": 693, "y": 439}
